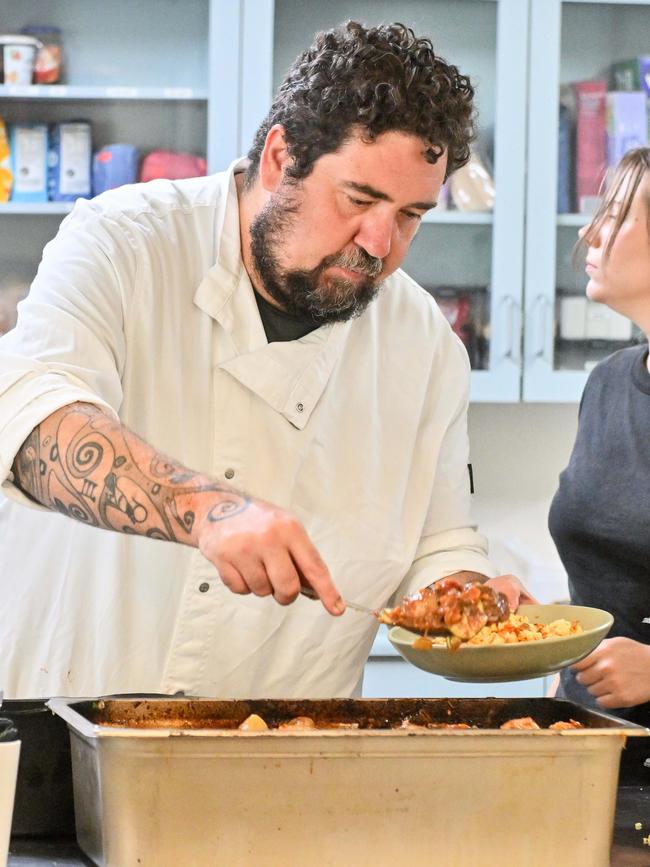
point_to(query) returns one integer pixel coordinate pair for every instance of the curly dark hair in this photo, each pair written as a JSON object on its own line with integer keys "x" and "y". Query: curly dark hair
{"x": 376, "y": 79}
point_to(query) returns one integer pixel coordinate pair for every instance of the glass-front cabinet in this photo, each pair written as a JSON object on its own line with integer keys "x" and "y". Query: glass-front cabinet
{"x": 588, "y": 104}
{"x": 469, "y": 252}
{"x": 562, "y": 87}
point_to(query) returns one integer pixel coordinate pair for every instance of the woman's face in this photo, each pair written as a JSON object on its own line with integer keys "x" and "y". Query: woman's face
{"x": 622, "y": 279}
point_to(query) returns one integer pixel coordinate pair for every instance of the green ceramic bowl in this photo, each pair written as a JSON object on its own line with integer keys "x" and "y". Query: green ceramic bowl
{"x": 503, "y": 662}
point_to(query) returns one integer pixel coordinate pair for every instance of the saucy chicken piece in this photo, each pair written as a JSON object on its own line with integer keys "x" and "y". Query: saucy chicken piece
{"x": 298, "y": 722}
{"x": 566, "y": 724}
{"x": 449, "y": 606}
{"x": 524, "y": 722}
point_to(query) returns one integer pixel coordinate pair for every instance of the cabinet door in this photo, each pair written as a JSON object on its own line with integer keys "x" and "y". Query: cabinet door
{"x": 571, "y": 41}
{"x": 472, "y": 260}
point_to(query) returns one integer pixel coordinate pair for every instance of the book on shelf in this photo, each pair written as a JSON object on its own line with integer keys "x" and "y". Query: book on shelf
{"x": 591, "y": 157}
{"x": 627, "y": 123}
{"x": 631, "y": 74}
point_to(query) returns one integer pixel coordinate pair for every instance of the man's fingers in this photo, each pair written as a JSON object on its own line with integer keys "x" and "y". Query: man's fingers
{"x": 283, "y": 576}
{"x": 313, "y": 572}
{"x": 527, "y": 599}
{"x": 233, "y": 580}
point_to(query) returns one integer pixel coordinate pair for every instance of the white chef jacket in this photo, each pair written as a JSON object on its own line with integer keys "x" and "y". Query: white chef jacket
{"x": 142, "y": 306}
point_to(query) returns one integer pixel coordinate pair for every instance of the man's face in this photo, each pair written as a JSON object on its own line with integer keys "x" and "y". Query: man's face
{"x": 323, "y": 246}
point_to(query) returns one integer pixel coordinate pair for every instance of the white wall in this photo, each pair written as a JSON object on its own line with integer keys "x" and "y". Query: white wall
{"x": 517, "y": 453}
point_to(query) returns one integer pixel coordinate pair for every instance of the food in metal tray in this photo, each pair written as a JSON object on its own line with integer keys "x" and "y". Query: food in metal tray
{"x": 450, "y": 605}
{"x": 307, "y": 723}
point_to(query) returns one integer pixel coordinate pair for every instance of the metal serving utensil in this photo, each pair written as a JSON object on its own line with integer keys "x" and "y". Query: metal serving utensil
{"x": 363, "y": 609}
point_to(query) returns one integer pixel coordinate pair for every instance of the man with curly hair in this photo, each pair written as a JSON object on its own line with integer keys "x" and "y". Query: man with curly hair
{"x": 254, "y": 327}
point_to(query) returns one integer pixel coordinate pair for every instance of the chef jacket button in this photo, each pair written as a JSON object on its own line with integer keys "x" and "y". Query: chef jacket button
{"x": 204, "y": 587}
{"x": 299, "y": 407}
{"x": 229, "y": 473}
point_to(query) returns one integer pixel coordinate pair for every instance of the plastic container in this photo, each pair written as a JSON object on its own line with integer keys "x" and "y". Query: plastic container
{"x": 9, "y": 754}
{"x": 114, "y": 166}
{"x": 165, "y": 782}
{"x": 18, "y": 58}
{"x": 49, "y": 56}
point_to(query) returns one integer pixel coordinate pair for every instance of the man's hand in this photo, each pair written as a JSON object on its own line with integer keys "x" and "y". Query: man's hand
{"x": 509, "y": 585}
{"x": 513, "y": 590}
{"x": 260, "y": 548}
{"x": 617, "y": 672}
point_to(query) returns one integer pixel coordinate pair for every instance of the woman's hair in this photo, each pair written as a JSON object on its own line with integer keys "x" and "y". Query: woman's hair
{"x": 628, "y": 175}
{"x": 371, "y": 80}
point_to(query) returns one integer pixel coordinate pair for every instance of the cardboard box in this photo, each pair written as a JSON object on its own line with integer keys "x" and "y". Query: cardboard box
{"x": 69, "y": 169}
{"x": 28, "y": 148}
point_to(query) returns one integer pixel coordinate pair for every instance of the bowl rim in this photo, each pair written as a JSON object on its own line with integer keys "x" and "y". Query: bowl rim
{"x": 520, "y": 645}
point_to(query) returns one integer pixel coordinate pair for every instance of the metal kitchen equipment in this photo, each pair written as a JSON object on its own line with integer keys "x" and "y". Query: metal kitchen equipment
{"x": 165, "y": 782}
{"x": 362, "y": 609}
{"x": 44, "y": 803}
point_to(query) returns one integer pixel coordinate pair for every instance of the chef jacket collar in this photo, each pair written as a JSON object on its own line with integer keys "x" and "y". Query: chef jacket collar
{"x": 289, "y": 376}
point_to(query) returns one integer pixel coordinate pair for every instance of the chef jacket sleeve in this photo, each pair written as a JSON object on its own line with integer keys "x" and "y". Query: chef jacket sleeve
{"x": 69, "y": 341}
{"x": 449, "y": 541}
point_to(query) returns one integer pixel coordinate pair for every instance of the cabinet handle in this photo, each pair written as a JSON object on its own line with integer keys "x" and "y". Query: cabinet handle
{"x": 542, "y": 310}
{"x": 510, "y": 327}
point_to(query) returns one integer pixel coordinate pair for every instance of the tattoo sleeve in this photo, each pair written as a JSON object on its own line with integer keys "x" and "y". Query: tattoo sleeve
{"x": 84, "y": 464}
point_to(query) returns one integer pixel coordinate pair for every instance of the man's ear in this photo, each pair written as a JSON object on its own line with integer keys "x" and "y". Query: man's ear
{"x": 274, "y": 159}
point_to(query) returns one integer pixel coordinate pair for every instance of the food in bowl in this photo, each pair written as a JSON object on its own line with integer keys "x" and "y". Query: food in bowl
{"x": 515, "y": 629}
{"x": 452, "y": 607}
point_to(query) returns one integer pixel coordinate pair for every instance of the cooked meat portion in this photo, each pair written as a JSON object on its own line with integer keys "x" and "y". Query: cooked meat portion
{"x": 524, "y": 722}
{"x": 566, "y": 724}
{"x": 298, "y": 722}
{"x": 449, "y": 606}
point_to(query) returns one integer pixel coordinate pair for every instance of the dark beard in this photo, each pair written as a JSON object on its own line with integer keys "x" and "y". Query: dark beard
{"x": 306, "y": 294}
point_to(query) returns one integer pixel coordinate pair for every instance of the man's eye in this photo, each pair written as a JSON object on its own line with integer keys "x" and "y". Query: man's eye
{"x": 359, "y": 202}
{"x": 411, "y": 215}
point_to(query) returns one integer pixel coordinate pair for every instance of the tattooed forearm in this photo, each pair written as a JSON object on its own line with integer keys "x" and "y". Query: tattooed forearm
{"x": 83, "y": 464}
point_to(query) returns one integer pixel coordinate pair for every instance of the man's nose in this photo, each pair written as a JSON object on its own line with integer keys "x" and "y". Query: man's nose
{"x": 375, "y": 235}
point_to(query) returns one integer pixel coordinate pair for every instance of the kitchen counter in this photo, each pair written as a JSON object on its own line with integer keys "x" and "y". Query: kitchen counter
{"x": 629, "y": 850}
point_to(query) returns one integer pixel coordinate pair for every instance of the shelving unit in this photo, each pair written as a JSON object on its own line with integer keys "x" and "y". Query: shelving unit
{"x": 35, "y": 208}
{"x": 65, "y": 92}
{"x": 139, "y": 73}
